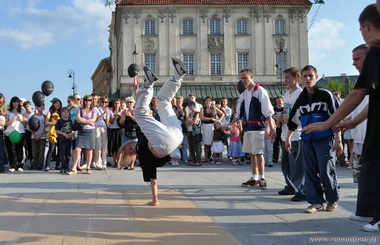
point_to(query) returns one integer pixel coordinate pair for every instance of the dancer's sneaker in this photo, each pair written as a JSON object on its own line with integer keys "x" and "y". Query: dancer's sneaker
{"x": 150, "y": 78}
{"x": 179, "y": 68}
{"x": 360, "y": 218}
{"x": 374, "y": 225}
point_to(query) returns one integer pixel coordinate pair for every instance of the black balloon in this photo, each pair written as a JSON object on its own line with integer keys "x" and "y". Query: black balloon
{"x": 47, "y": 87}
{"x": 240, "y": 86}
{"x": 34, "y": 123}
{"x": 133, "y": 70}
{"x": 38, "y": 98}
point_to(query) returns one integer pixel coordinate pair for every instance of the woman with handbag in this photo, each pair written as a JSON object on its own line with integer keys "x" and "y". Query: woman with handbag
{"x": 209, "y": 114}
{"x": 131, "y": 130}
{"x": 86, "y": 135}
{"x": 194, "y": 138}
{"x": 116, "y": 131}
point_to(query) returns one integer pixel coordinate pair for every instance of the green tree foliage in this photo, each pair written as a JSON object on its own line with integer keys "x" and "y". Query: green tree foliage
{"x": 335, "y": 84}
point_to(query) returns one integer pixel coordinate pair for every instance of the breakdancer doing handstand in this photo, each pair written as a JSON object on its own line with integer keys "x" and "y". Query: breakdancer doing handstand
{"x": 158, "y": 139}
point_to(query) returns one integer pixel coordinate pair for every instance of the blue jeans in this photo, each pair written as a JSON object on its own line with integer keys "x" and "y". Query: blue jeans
{"x": 185, "y": 146}
{"x": 319, "y": 162}
{"x": 65, "y": 154}
{"x": 49, "y": 155}
{"x": 293, "y": 169}
{"x": 268, "y": 152}
{"x": 2, "y": 156}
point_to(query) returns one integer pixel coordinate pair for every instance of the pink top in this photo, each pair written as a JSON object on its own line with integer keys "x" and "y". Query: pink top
{"x": 235, "y": 133}
{"x": 89, "y": 116}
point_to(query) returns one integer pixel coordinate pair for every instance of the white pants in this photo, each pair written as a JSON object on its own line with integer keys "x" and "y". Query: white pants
{"x": 101, "y": 150}
{"x": 165, "y": 136}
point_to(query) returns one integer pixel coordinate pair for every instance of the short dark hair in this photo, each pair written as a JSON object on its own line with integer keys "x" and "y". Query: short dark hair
{"x": 363, "y": 46}
{"x": 370, "y": 15}
{"x": 308, "y": 68}
{"x": 65, "y": 109}
{"x": 247, "y": 70}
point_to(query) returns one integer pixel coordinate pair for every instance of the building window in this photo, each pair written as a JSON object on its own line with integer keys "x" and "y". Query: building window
{"x": 216, "y": 64}
{"x": 215, "y": 26}
{"x": 188, "y": 60}
{"x": 242, "y": 61}
{"x": 279, "y": 27}
{"x": 242, "y": 26}
{"x": 280, "y": 62}
{"x": 150, "y": 62}
{"x": 150, "y": 27}
{"x": 187, "y": 27}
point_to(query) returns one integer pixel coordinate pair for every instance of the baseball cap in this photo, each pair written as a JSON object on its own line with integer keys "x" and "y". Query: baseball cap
{"x": 55, "y": 100}
{"x": 77, "y": 97}
{"x": 190, "y": 103}
{"x": 23, "y": 99}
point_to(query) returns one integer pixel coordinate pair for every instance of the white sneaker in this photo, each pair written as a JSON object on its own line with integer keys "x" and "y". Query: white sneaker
{"x": 360, "y": 218}
{"x": 374, "y": 225}
{"x": 12, "y": 170}
{"x": 179, "y": 67}
{"x": 218, "y": 163}
{"x": 150, "y": 78}
{"x": 20, "y": 170}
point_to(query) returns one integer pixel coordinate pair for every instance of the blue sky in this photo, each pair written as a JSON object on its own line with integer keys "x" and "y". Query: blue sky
{"x": 42, "y": 39}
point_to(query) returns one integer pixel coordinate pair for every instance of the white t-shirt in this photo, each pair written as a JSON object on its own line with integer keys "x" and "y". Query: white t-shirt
{"x": 101, "y": 122}
{"x": 16, "y": 125}
{"x": 41, "y": 128}
{"x": 2, "y": 118}
{"x": 114, "y": 125}
{"x": 358, "y": 133}
{"x": 289, "y": 101}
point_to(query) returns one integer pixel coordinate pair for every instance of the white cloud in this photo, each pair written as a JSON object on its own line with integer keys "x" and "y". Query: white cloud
{"x": 325, "y": 35}
{"x": 31, "y": 25}
{"x": 26, "y": 39}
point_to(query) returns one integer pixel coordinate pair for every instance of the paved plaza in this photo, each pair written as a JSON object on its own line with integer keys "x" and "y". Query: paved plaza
{"x": 199, "y": 205}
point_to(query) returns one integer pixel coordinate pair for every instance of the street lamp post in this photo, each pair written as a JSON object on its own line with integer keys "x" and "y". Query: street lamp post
{"x": 134, "y": 54}
{"x": 72, "y": 75}
{"x": 280, "y": 69}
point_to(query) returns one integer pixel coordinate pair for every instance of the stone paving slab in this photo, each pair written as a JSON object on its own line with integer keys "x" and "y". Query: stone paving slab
{"x": 207, "y": 203}
{"x": 105, "y": 218}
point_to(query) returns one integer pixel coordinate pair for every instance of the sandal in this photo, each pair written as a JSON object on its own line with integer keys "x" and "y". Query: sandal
{"x": 88, "y": 171}
{"x": 72, "y": 172}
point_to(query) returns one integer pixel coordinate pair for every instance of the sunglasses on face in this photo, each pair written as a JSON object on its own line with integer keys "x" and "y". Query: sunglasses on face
{"x": 105, "y": 102}
{"x": 129, "y": 102}
{"x": 88, "y": 100}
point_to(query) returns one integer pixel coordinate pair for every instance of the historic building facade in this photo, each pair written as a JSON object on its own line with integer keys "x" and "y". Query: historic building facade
{"x": 215, "y": 39}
